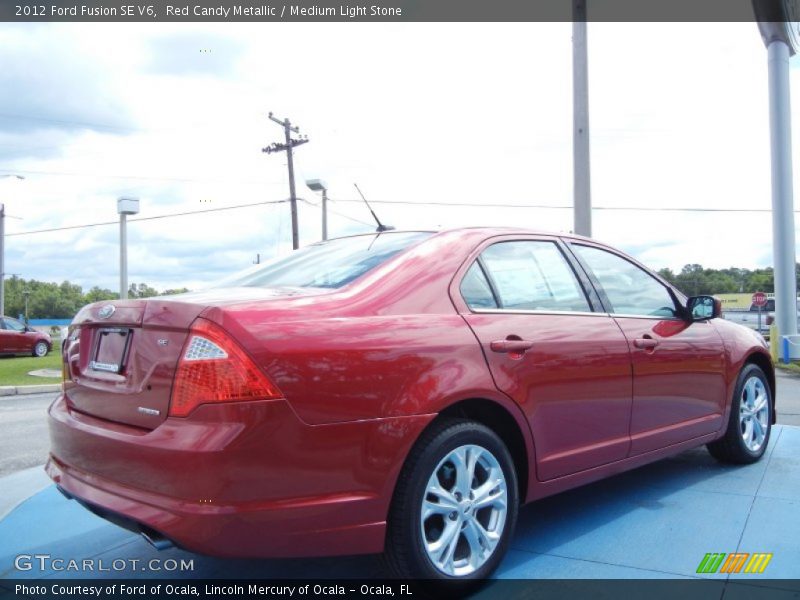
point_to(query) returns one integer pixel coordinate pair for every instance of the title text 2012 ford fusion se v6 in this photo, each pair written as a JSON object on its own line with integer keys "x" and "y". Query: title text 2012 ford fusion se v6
{"x": 399, "y": 392}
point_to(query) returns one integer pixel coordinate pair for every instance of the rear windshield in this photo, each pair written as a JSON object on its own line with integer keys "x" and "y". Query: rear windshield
{"x": 329, "y": 264}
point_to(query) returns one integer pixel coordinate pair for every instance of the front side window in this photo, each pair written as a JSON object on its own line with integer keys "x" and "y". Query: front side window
{"x": 533, "y": 275}
{"x": 14, "y": 325}
{"x": 629, "y": 289}
{"x": 330, "y": 264}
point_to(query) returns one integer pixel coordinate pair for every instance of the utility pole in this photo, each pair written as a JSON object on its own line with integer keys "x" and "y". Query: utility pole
{"x": 3, "y": 248}
{"x": 287, "y": 147}
{"x": 582, "y": 197}
{"x": 2, "y": 261}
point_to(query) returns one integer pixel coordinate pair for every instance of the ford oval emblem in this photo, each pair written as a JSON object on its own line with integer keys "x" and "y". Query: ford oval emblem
{"x": 106, "y": 311}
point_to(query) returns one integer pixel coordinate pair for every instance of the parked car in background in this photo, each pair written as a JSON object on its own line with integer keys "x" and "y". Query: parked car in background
{"x": 749, "y": 318}
{"x": 401, "y": 392}
{"x": 18, "y": 338}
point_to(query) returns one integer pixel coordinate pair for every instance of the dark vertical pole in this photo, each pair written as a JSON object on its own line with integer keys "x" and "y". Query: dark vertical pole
{"x": 287, "y": 126}
{"x": 582, "y": 203}
{"x": 2, "y": 256}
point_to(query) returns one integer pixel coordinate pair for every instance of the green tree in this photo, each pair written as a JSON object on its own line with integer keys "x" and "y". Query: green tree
{"x": 142, "y": 290}
{"x": 98, "y": 294}
{"x": 47, "y": 300}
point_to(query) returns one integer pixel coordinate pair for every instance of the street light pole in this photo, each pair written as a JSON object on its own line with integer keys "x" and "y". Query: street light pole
{"x": 125, "y": 207}
{"x": 26, "y": 292}
{"x": 317, "y": 185}
{"x": 123, "y": 256}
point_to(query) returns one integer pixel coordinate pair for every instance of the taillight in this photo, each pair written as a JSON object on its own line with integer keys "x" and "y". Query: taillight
{"x": 213, "y": 368}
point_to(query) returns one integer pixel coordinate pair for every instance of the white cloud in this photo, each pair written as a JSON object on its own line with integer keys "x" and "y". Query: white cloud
{"x": 475, "y": 113}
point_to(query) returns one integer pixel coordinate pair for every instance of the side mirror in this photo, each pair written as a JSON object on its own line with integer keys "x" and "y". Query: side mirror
{"x": 702, "y": 308}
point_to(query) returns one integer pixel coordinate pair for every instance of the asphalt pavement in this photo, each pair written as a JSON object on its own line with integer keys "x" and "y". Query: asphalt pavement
{"x": 788, "y": 399}
{"x": 24, "y": 441}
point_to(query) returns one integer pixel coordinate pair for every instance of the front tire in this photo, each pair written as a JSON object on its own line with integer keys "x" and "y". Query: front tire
{"x": 750, "y": 423}
{"x": 40, "y": 349}
{"x": 455, "y": 507}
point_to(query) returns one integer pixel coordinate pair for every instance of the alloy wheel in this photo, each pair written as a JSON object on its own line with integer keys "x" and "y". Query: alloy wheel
{"x": 464, "y": 510}
{"x": 754, "y": 413}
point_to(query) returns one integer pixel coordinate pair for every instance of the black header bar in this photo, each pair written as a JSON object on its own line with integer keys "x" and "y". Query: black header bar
{"x": 396, "y": 10}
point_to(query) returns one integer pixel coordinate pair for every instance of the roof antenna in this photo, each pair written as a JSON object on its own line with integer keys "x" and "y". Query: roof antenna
{"x": 381, "y": 226}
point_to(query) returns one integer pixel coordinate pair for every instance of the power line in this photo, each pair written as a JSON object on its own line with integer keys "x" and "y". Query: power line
{"x": 336, "y": 212}
{"x": 87, "y": 125}
{"x": 564, "y": 206}
{"x": 143, "y": 177}
{"x": 153, "y": 218}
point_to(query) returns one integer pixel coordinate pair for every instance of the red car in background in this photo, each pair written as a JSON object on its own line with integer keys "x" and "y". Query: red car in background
{"x": 402, "y": 392}
{"x": 18, "y": 338}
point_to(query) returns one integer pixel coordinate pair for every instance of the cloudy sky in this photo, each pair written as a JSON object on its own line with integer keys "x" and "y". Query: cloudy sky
{"x": 477, "y": 114}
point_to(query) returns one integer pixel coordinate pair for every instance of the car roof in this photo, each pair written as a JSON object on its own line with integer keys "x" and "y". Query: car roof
{"x": 472, "y": 230}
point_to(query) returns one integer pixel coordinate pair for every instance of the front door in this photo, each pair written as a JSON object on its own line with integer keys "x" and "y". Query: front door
{"x": 679, "y": 390}
{"x": 567, "y": 366}
{"x": 13, "y": 336}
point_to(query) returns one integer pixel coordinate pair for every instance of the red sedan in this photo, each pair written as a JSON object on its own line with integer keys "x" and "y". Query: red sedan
{"x": 402, "y": 392}
{"x": 18, "y": 338}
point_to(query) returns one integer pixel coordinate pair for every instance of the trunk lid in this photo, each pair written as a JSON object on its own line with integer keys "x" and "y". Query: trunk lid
{"x": 121, "y": 358}
{"x": 122, "y": 355}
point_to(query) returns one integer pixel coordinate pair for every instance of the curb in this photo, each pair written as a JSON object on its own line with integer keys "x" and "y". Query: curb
{"x": 17, "y": 390}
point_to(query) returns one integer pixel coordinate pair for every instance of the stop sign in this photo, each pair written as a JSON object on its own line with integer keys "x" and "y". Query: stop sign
{"x": 760, "y": 299}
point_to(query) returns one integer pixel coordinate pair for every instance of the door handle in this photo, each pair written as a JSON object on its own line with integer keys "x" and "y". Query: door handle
{"x": 514, "y": 346}
{"x": 646, "y": 343}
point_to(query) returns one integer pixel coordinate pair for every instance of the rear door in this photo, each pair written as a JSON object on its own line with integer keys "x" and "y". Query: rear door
{"x": 566, "y": 365}
{"x": 679, "y": 390}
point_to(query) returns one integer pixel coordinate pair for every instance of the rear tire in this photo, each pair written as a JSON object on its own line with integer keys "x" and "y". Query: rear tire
{"x": 40, "y": 349}
{"x": 454, "y": 508}
{"x": 750, "y": 423}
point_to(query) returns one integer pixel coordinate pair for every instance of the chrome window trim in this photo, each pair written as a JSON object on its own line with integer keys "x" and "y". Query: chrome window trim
{"x": 503, "y": 311}
{"x": 648, "y": 317}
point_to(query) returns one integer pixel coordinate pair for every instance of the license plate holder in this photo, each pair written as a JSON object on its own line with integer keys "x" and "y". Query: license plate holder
{"x": 111, "y": 349}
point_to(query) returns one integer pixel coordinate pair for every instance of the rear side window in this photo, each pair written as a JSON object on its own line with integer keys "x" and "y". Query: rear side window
{"x": 533, "y": 275}
{"x": 631, "y": 290}
{"x": 330, "y": 264}
{"x": 476, "y": 290}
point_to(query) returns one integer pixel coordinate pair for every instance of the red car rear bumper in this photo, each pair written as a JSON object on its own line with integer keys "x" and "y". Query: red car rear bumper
{"x": 241, "y": 480}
